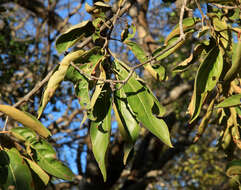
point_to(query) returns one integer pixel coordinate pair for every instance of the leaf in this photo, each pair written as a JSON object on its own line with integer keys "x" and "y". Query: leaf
{"x": 184, "y": 65}
{"x": 98, "y": 89}
{"x": 221, "y": 27}
{"x": 18, "y": 174}
{"x": 38, "y": 170}
{"x": 234, "y": 168}
{"x": 101, "y": 4}
{"x": 142, "y": 103}
{"x": 73, "y": 35}
{"x": 126, "y": 35}
{"x": 23, "y": 133}
{"x": 45, "y": 156}
{"x": 236, "y": 63}
{"x": 234, "y": 100}
{"x": 158, "y": 71}
{"x": 100, "y": 129}
{"x": 206, "y": 79}
{"x": 27, "y": 120}
{"x": 57, "y": 78}
{"x": 81, "y": 86}
{"x": 127, "y": 123}
{"x": 167, "y": 50}
{"x": 188, "y": 23}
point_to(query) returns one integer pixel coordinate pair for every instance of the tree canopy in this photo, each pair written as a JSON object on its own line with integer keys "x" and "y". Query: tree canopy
{"x": 127, "y": 94}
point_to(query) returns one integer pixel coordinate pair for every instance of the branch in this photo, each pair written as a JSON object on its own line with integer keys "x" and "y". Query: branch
{"x": 184, "y": 3}
{"x": 123, "y": 10}
{"x": 34, "y": 90}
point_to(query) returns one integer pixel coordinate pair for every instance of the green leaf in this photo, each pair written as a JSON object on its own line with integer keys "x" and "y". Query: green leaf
{"x": 206, "y": 79}
{"x": 27, "y": 120}
{"x": 57, "y": 78}
{"x": 81, "y": 86}
{"x": 97, "y": 93}
{"x": 157, "y": 71}
{"x": 127, "y": 123}
{"x": 184, "y": 65}
{"x": 234, "y": 168}
{"x": 169, "y": 51}
{"x": 100, "y": 130}
{"x": 142, "y": 103}
{"x": 73, "y": 35}
{"x": 234, "y": 100}
{"x": 45, "y": 156}
{"x": 188, "y": 23}
{"x": 126, "y": 34}
{"x": 17, "y": 174}
{"x": 38, "y": 170}
{"x": 236, "y": 63}
{"x": 23, "y": 133}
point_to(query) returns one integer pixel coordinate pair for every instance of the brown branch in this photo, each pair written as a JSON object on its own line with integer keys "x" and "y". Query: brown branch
{"x": 184, "y": 3}
{"x": 33, "y": 91}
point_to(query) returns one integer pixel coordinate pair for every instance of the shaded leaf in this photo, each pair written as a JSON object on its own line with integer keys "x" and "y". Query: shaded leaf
{"x": 27, "y": 120}
{"x": 73, "y": 35}
{"x": 234, "y": 100}
{"x": 141, "y": 102}
{"x": 127, "y": 123}
{"x": 184, "y": 65}
{"x": 18, "y": 173}
{"x": 100, "y": 129}
{"x": 23, "y": 133}
{"x": 206, "y": 79}
{"x": 98, "y": 89}
{"x": 233, "y": 168}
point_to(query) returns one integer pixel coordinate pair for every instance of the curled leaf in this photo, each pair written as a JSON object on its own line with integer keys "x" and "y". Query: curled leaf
{"x": 57, "y": 78}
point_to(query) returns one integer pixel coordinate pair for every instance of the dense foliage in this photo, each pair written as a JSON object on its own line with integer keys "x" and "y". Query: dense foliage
{"x": 135, "y": 87}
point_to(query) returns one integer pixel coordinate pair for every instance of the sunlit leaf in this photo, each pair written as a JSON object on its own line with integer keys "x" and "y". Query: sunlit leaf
{"x": 57, "y": 78}
{"x": 236, "y": 63}
{"x": 188, "y": 23}
{"x": 157, "y": 71}
{"x": 18, "y": 174}
{"x": 37, "y": 169}
{"x": 142, "y": 104}
{"x": 27, "y": 120}
{"x": 234, "y": 100}
{"x": 73, "y": 35}
{"x": 206, "y": 79}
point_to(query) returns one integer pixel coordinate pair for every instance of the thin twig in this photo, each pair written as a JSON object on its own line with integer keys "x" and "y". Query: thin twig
{"x": 200, "y": 10}
{"x": 224, "y": 6}
{"x": 91, "y": 77}
{"x": 109, "y": 22}
{"x": 34, "y": 90}
{"x": 5, "y": 124}
{"x": 151, "y": 60}
{"x": 181, "y": 19}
